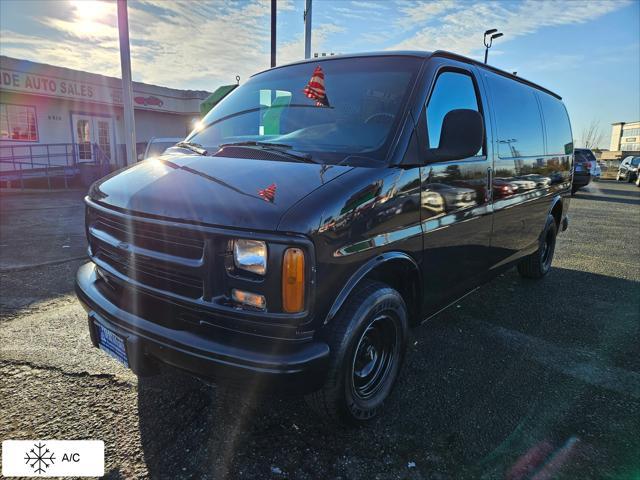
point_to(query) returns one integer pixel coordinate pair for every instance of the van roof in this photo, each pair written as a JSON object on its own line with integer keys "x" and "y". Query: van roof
{"x": 425, "y": 55}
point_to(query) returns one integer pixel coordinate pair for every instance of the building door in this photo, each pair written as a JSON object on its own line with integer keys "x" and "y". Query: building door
{"x": 89, "y": 131}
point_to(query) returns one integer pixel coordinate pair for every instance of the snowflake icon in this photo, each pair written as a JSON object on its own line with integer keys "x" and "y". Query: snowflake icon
{"x": 40, "y": 460}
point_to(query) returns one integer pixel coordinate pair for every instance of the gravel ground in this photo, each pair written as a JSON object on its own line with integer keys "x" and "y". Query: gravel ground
{"x": 516, "y": 368}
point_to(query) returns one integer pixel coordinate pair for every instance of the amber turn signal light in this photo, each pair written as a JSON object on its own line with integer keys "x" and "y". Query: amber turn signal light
{"x": 293, "y": 281}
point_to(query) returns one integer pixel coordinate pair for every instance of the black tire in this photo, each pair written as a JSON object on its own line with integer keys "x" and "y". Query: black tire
{"x": 538, "y": 264}
{"x": 371, "y": 327}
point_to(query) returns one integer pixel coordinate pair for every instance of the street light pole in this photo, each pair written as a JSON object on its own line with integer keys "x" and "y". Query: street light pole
{"x": 127, "y": 90}
{"x": 307, "y": 30}
{"x": 274, "y": 8}
{"x": 488, "y": 42}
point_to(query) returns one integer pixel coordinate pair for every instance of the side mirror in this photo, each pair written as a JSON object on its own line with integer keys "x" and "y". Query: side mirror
{"x": 140, "y": 156}
{"x": 461, "y": 136}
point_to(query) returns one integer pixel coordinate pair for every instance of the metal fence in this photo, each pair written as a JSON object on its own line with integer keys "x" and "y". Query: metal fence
{"x": 20, "y": 163}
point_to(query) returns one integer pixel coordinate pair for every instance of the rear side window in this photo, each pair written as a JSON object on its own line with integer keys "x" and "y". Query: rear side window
{"x": 556, "y": 123}
{"x": 452, "y": 91}
{"x": 518, "y": 121}
{"x": 584, "y": 156}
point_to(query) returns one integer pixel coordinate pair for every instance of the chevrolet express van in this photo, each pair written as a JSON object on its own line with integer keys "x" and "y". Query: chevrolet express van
{"x": 318, "y": 212}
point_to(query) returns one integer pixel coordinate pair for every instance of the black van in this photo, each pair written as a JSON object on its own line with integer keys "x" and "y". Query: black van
{"x": 319, "y": 211}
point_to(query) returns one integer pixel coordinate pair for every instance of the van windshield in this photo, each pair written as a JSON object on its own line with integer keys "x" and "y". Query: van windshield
{"x": 333, "y": 110}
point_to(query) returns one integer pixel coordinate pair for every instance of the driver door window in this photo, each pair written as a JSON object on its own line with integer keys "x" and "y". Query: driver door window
{"x": 452, "y": 91}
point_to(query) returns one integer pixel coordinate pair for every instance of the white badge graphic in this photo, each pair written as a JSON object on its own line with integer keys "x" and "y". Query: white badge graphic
{"x": 52, "y": 458}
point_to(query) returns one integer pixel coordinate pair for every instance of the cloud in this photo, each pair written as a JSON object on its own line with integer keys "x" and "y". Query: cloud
{"x": 458, "y": 25}
{"x": 205, "y": 44}
{"x": 418, "y": 13}
{"x": 294, "y": 50}
{"x": 371, "y": 5}
{"x": 172, "y": 43}
{"x": 102, "y": 58}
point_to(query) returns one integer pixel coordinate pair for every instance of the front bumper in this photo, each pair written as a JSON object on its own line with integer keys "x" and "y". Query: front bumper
{"x": 266, "y": 363}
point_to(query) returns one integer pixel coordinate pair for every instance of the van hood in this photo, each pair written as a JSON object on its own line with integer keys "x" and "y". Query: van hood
{"x": 220, "y": 191}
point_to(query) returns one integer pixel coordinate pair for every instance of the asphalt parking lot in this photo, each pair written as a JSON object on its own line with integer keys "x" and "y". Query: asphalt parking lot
{"x": 516, "y": 372}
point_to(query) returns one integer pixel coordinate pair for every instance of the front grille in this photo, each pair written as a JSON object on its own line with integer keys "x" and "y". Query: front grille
{"x": 167, "y": 240}
{"x": 170, "y": 259}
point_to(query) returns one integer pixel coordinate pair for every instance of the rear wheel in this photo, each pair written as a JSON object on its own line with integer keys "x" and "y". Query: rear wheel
{"x": 367, "y": 342}
{"x": 538, "y": 264}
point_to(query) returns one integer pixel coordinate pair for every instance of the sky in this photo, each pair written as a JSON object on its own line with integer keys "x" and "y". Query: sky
{"x": 588, "y": 51}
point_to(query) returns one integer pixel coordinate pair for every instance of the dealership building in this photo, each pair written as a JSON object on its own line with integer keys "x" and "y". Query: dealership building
{"x": 625, "y": 140}
{"x": 57, "y": 116}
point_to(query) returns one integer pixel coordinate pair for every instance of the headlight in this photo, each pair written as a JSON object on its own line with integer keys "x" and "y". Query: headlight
{"x": 250, "y": 255}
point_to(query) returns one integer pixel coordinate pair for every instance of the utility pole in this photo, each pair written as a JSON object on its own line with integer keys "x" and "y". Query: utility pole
{"x": 274, "y": 8}
{"x": 127, "y": 90}
{"x": 307, "y": 30}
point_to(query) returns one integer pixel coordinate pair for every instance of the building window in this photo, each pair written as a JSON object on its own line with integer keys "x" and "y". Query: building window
{"x": 631, "y": 147}
{"x": 104, "y": 138}
{"x": 630, "y": 132}
{"x": 18, "y": 122}
{"x": 84, "y": 140}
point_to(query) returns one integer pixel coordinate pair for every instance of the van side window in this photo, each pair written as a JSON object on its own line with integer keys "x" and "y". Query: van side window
{"x": 556, "y": 124}
{"x": 518, "y": 122}
{"x": 452, "y": 90}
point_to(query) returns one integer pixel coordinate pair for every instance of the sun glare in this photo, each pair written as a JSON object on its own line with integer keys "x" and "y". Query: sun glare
{"x": 87, "y": 10}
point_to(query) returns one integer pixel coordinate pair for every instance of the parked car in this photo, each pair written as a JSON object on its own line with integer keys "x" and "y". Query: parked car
{"x": 596, "y": 171}
{"x": 584, "y": 160}
{"x": 524, "y": 185}
{"x": 503, "y": 188}
{"x": 246, "y": 258}
{"x": 539, "y": 180}
{"x": 157, "y": 146}
{"x": 454, "y": 197}
{"x": 628, "y": 169}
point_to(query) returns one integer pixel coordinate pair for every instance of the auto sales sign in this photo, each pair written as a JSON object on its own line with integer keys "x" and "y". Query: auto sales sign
{"x": 83, "y": 91}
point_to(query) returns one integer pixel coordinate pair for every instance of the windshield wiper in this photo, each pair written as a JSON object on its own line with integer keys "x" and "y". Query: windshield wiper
{"x": 253, "y": 143}
{"x": 279, "y": 148}
{"x": 194, "y": 147}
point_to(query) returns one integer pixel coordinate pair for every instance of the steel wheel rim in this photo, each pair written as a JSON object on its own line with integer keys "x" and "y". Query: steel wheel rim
{"x": 374, "y": 357}
{"x": 547, "y": 249}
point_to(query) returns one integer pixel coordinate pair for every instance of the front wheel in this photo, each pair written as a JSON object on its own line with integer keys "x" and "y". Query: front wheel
{"x": 368, "y": 342}
{"x": 538, "y": 264}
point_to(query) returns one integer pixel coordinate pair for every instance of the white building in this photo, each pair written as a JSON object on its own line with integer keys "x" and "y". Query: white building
{"x": 625, "y": 137}
{"x": 625, "y": 140}
{"x": 65, "y": 117}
